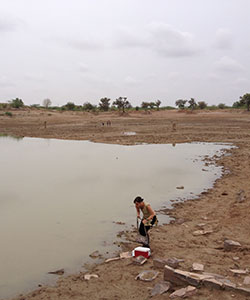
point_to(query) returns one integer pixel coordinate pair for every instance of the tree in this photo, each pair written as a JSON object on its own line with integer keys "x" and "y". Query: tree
{"x": 157, "y": 104}
{"x": 88, "y": 106}
{"x": 221, "y": 105}
{"x": 192, "y": 104}
{"x": 70, "y": 106}
{"x": 47, "y": 102}
{"x": 151, "y": 105}
{"x": 202, "y": 104}
{"x": 122, "y": 103}
{"x": 104, "y": 104}
{"x": 246, "y": 100}
{"x": 16, "y": 103}
{"x": 181, "y": 103}
{"x": 145, "y": 105}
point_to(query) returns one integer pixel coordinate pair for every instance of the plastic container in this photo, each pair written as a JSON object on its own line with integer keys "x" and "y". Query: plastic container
{"x": 141, "y": 251}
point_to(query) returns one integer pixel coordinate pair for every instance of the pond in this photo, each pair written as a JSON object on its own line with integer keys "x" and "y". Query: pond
{"x": 59, "y": 199}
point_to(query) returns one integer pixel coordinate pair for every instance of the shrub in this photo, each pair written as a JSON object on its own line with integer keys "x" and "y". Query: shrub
{"x": 221, "y": 106}
{"x": 202, "y": 105}
{"x": 16, "y": 103}
{"x": 8, "y": 113}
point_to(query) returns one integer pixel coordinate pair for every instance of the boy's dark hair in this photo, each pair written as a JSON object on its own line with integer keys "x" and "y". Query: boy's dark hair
{"x": 138, "y": 199}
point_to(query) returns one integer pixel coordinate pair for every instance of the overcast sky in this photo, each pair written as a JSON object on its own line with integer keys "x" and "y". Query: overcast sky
{"x": 83, "y": 50}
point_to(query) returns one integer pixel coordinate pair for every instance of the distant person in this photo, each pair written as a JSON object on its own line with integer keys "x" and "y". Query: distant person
{"x": 148, "y": 216}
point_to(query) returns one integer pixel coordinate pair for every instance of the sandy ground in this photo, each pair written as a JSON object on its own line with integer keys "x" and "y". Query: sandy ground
{"x": 218, "y": 209}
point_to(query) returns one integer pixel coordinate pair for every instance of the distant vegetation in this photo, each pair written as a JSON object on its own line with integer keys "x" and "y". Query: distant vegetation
{"x": 122, "y": 104}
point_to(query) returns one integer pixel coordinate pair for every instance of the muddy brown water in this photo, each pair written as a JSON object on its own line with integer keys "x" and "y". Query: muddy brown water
{"x": 59, "y": 199}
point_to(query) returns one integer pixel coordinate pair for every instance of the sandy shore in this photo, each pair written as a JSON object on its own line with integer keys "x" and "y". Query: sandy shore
{"x": 218, "y": 209}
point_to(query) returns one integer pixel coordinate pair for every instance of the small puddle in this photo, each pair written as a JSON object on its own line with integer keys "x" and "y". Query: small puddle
{"x": 59, "y": 199}
{"x": 129, "y": 133}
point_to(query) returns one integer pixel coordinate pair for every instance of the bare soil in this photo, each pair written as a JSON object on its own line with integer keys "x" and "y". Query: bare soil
{"x": 219, "y": 208}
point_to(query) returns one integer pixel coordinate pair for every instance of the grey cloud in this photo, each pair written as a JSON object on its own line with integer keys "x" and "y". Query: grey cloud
{"x": 77, "y": 43}
{"x": 130, "y": 80}
{"x": 223, "y": 39}
{"x": 83, "y": 68}
{"x": 160, "y": 38}
{"x": 128, "y": 38}
{"x": 173, "y": 75}
{"x": 227, "y": 64}
{"x": 9, "y": 23}
{"x": 34, "y": 77}
{"x": 242, "y": 81}
{"x": 169, "y": 41}
{"x": 83, "y": 44}
{"x": 5, "y": 82}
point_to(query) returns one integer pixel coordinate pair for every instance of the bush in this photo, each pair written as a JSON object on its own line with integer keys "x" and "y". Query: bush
{"x": 70, "y": 106}
{"x": 3, "y": 105}
{"x": 221, "y": 106}
{"x": 16, "y": 103}
{"x": 8, "y": 113}
{"x": 202, "y": 105}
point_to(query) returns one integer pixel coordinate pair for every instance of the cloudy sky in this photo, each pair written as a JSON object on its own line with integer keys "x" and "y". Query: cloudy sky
{"x": 82, "y": 50}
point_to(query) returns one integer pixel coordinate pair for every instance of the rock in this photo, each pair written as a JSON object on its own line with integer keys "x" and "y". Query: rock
{"x": 184, "y": 292}
{"x": 179, "y": 277}
{"x": 171, "y": 262}
{"x": 95, "y": 254}
{"x": 230, "y": 245}
{"x": 246, "y": 280}
{"x": 239, "y": 272}
{"x": 159, "y": 263}
{"x": 197, "y": 267}
{"x": 202, "y": 232}
{"x": 127, "y": 254}
{"x": 112, "y": 259}
{"x": 180, "y": 187}
{"x": 147, "y": 275}
{"x": 180, "y": 221}
{"x": 224, "y": 194}
{"x": 240, "y": 197}
{"x": 89, "y": 276}
{"x": 245, "y": 291}
{"x": 213, "y": 283}
{"x": 227, "y": 284}
{"x": 201, "y": 225}
{"x": 139, "y": 260}
{"x": 160, "y": 288}
{"x": 58, "y": 272}
{"x": 236, "y": 258}
{"x": 174, "y": 262}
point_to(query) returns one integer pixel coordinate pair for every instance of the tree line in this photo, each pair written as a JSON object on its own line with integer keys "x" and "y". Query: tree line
{"x": 122, "y": 104}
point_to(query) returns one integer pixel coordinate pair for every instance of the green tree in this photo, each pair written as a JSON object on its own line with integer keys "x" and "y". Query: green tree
{"x": 151, "y": 105}
{"x": 145, "y": 105}
{"x": 221, "y": 105}
{"x": 16, "y": 103}
{"x": 88, "y": 106}
{"x": 70, "y": 105}
{"x": 202, "y": 104}
{"x": 104, "y": 104}
{"x": 122, "y": 103}
{"x": 192, "y": 104}
{"x": 181, "y": 103}
{"x": 246, "y": 100}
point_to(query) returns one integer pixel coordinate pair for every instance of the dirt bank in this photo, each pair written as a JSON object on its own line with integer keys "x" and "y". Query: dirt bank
{"x": 219, "y": 210}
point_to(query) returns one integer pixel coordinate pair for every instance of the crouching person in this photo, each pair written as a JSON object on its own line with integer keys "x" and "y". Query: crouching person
{"x": 148, "y": 217}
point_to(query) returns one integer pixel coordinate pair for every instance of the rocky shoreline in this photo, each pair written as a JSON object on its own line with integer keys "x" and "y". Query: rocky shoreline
{"x": 199, "y": 230}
